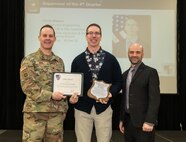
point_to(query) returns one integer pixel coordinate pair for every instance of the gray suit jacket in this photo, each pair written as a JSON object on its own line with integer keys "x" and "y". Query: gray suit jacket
{"x": 144, "y": 96}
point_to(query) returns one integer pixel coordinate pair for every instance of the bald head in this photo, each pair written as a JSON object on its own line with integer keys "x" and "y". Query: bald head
{"x": 135, "y": 53}
{"x": 136, "y": 46}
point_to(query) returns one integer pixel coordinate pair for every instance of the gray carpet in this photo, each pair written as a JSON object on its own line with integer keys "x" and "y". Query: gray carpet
{"x": 69, "y": 136}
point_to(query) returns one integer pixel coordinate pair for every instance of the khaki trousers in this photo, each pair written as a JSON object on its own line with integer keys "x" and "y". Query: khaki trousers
{"x": 84, "y": 123}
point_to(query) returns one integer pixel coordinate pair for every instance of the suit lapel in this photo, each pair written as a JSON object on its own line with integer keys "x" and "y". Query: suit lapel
{"x": 138, "y": 72}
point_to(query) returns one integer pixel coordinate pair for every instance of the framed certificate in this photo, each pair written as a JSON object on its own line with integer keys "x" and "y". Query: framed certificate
{"x": 68, "y": 83}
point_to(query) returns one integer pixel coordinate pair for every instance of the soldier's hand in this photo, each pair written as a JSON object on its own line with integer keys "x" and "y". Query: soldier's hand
{"x": 58, "y": 96}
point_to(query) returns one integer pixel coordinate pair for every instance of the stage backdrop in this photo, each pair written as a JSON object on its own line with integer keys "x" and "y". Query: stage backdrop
{"x": 151, "y": 23}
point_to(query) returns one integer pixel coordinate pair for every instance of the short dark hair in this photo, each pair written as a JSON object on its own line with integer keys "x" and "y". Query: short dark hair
{"x": 47, "y": 26}
{"x": 96, "y": 25}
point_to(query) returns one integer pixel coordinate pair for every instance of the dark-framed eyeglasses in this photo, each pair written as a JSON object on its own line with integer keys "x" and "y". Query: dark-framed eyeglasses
{"x": 94, "y": 33}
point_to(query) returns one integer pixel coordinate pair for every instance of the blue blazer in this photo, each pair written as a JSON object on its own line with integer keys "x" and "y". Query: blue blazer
{"x": 110, "y": 72}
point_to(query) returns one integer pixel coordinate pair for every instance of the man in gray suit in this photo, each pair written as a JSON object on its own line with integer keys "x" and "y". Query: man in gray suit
{"x": 141, "y": 99}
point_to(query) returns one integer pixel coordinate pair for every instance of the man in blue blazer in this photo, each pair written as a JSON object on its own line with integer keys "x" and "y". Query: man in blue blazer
{"x": 96, "y": 64}
{"x": 141, "y": 99}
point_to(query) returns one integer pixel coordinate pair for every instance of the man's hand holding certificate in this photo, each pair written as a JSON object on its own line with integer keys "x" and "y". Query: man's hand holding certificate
{"x": 100, "y": 91}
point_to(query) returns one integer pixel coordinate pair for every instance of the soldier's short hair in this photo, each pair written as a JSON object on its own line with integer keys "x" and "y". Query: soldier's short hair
{"x": 47, "y": 26}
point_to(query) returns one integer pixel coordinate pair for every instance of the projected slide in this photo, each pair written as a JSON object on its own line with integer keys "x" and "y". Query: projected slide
{"x": 122, "y": 21}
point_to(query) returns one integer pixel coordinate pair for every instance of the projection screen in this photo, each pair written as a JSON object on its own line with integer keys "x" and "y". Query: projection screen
{"x": 153, "y": 22}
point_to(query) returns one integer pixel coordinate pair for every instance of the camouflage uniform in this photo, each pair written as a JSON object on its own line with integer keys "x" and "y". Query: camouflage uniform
{"x": 40, "y": 111}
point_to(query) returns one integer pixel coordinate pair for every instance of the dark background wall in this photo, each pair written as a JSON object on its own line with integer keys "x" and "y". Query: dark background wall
{"x": 172, "y": 109}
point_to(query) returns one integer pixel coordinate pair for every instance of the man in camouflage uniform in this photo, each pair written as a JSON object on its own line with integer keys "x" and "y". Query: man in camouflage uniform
{"x": 44, "y": 110}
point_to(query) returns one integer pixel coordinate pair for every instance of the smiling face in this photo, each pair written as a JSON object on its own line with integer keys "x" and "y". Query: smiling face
{"x": 93, "y": 37}
{"x": 47, "y": 38}
{"x": 135, "y": 53}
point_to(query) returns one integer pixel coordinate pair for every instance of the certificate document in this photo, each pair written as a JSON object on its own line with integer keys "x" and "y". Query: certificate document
{"x": 68, "y": 83}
